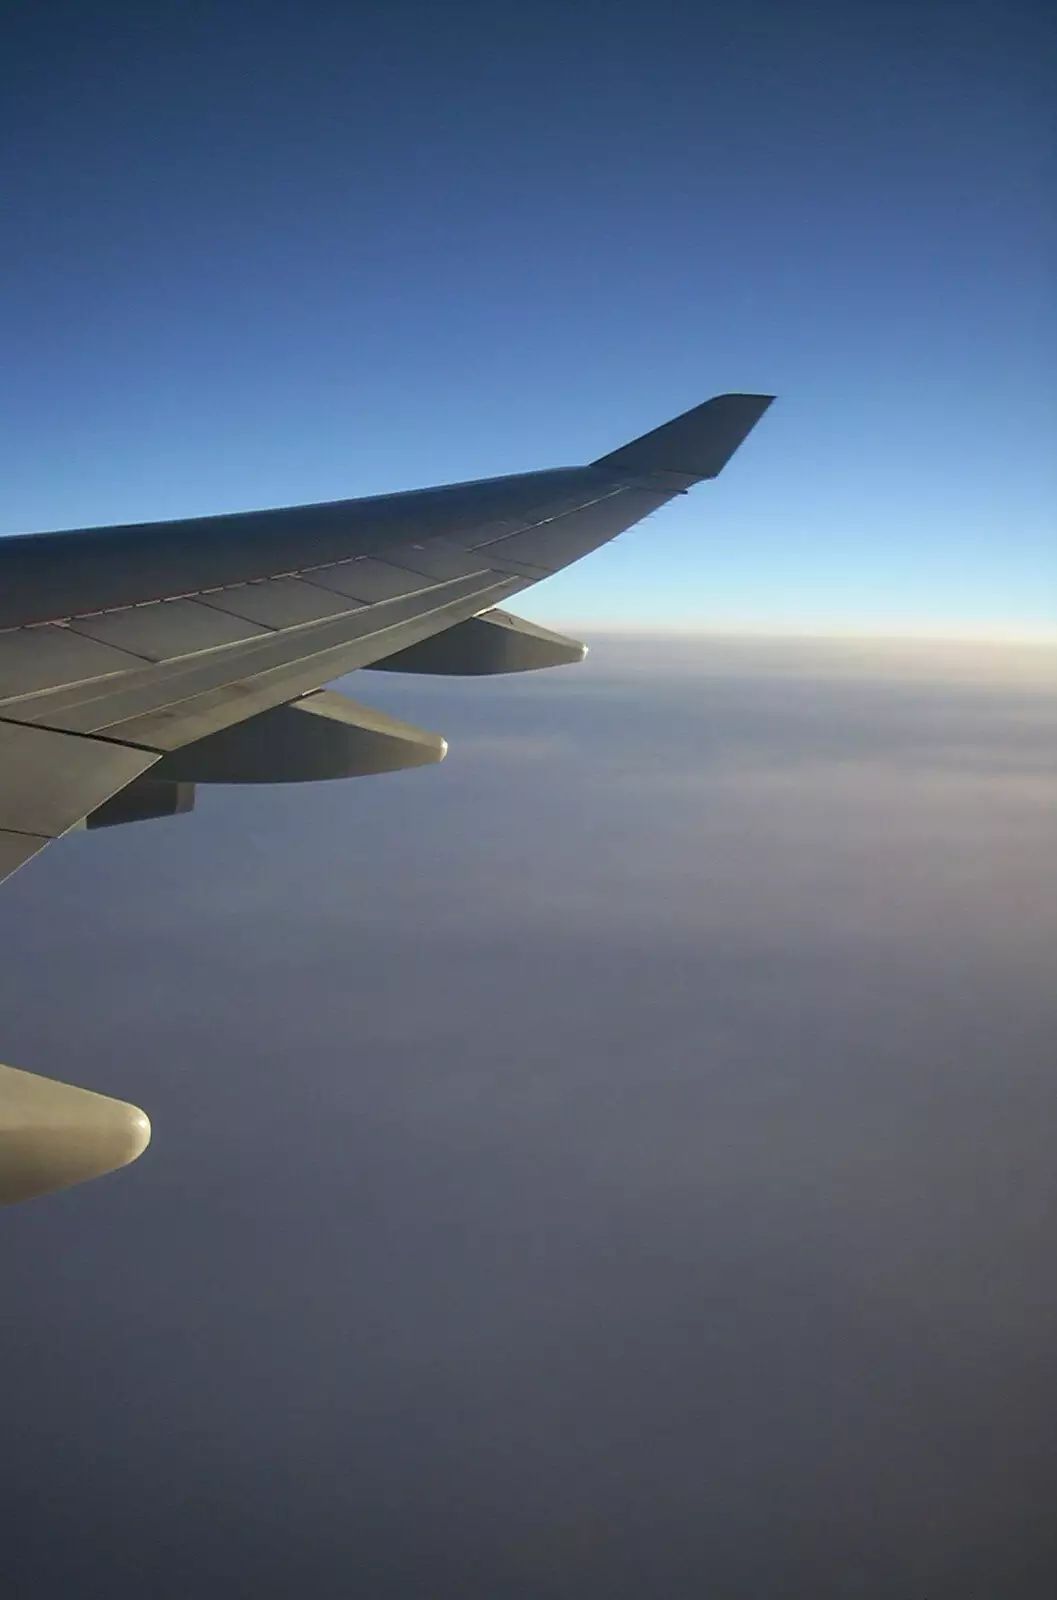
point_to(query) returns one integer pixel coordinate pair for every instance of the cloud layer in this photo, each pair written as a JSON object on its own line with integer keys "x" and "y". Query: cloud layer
{"x": 617, "y": 1162}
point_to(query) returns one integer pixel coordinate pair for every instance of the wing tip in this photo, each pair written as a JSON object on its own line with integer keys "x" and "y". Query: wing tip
{"x": 698, "y": 443}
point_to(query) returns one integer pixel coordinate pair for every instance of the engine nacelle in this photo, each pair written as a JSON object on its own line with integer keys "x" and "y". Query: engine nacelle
{"x": 53, "y": 1135}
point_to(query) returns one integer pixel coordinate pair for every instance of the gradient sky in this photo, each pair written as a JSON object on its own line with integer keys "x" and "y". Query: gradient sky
{"x": 278, "y": 253}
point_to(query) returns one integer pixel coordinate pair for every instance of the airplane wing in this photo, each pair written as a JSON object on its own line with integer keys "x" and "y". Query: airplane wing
{"x": 131, "y": 651}
{"x": 138, "y": 661}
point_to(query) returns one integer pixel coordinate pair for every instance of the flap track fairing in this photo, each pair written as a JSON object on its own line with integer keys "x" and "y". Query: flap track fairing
{"x": 322, "y": 735}
{"x": 494, "y": 642}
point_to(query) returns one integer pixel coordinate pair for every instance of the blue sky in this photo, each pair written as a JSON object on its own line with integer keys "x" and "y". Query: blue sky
{"x": 294, "y": 255}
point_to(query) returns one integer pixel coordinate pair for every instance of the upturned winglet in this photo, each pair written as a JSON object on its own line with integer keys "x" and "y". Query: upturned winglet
{"x": 696, "y": 445}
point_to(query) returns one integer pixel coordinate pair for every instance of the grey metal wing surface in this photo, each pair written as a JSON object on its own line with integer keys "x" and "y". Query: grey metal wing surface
{"x": 128, "y": 654}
